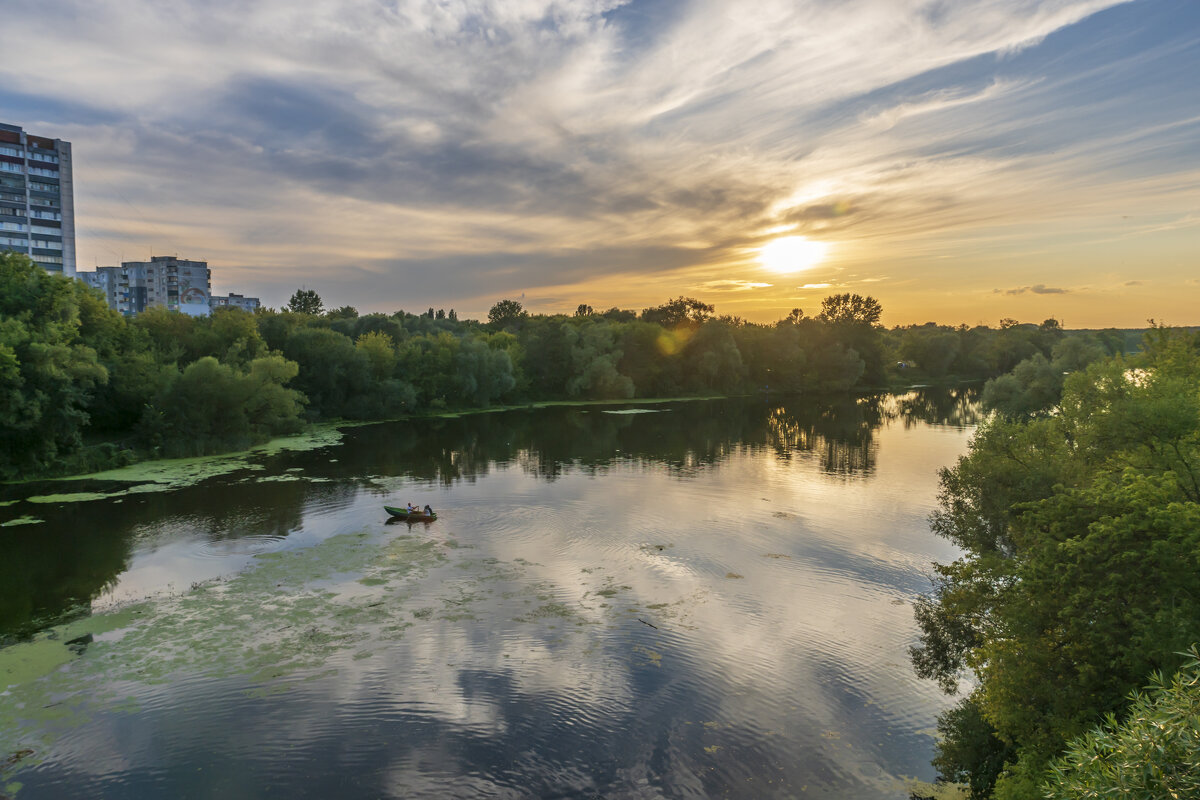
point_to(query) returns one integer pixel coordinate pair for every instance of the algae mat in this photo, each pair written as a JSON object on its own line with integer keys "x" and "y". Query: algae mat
{"x": 293, "y": 616}
{"x": 168, "y": 474}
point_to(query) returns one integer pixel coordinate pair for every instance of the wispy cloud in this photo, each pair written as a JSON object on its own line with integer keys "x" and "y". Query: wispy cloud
{"x": 1038, "y": 289}
{"x": 733, "y": 286}
{"x": 560, "y": 147}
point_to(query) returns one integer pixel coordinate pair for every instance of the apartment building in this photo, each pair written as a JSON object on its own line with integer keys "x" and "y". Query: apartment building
{"x": 37, "y": 201}
{"x": 176, "y": 284}
{"x": 164, "y": 281}
{"x": 250, "y": 304}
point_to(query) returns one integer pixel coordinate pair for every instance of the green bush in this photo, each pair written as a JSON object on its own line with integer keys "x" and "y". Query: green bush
{"x": 1153, "y": 753}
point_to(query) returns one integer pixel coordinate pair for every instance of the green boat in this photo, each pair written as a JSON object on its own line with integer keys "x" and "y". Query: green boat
{"x": 411, "y": 516}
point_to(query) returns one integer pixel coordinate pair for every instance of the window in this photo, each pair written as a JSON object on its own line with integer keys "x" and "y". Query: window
{"x": 43, "y": 187}
{"x": 48, "y": 259}
{"x": 7, "y": 167}
{"x": 47, "y": 245}
{"x": 12, "y": 212}
{"x": 39, "y": 156}
{"x": 13, "y": 226}
{"x": 13, "y": 241}
{"x": 49, "y": 173}
{"x": 45, "y": 230}
{"x": 9, "y": 150}
{"x": 45, "y": 214}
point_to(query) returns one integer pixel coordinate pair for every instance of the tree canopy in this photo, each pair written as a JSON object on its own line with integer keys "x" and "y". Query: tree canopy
{"x": 1080, "y": 573}
{"x": 307, "y": 301}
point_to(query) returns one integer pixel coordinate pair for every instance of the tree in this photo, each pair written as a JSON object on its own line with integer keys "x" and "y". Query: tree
{"x": 933, "y": 349}
{"x": 1152, "y": 752}
{"x": 380, "y": 350}
{"x": 212, "y": 406}
{"x": 584, "y": 310}
{"x": 851, "y": 309}
{"x": 1080, "y": 572}
{"x": 345, "y": 312}
{"x": 332, "y": 370}
{"x": 793, "y": 317}
{"x": 48, "y": 374}
{"x": 594, "y": 356}
{"x": 305, "y": 301}
{"x": 484, "y": 373}
{"x": 680, "y": 311}
{"x": 506, "y": 313}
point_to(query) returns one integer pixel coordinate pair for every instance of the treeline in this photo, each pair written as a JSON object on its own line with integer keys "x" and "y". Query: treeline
{"x": 1078, "y": 516}
{"x": 82, "y": 387}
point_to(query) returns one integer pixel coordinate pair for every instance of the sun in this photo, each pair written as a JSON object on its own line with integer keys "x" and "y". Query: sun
{"x": 792, "y": 254}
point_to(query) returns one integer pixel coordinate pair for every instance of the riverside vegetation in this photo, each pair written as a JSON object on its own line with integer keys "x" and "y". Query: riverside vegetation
{"x": 83, "y": 388}
{"x": 1078, "y": 517}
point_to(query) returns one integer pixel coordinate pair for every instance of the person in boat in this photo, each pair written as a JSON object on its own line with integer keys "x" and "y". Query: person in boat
{"x": 428, "y": 510}
{"x": 411, "y": 508}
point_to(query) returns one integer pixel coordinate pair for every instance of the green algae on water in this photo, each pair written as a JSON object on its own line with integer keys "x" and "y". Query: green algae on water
{"x": 282, "y": 616}
{"x": 175, "y": 473}
{"x": 25, "y": 520}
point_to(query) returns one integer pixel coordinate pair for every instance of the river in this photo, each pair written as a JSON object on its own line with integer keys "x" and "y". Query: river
{"x": 693, "y": 599}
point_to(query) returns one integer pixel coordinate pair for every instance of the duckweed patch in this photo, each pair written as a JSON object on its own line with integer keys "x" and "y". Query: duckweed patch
{"x": 283, "y": 616}
{"x": 167, "y": 474}
{"x": 24, "y": 520}
{"x": 653, "y": 658}
{"x": 294, "y": 615}
{"x": 71, "y": 497}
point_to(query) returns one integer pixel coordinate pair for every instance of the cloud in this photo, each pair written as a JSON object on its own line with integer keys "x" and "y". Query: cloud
{"x": 733, "y": 286}
{"x": 557, "y": 145}
{"x": 1038, "y": 289}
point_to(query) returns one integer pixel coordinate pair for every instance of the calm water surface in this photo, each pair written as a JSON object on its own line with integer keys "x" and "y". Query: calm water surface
{"x": 707, "y": 599}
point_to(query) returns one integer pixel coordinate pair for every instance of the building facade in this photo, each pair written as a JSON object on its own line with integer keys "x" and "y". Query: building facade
{"x": 37, "y": 198}
{"x": 176, "y": 284}
{"x": 250, "y": 304}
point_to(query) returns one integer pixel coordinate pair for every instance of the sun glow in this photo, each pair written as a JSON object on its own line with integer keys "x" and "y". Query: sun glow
{"x": 792, "y": 254}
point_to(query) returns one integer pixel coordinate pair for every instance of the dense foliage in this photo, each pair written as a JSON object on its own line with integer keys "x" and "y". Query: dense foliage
{"x": 1153, "y": 752}
{"x": 83, "y": 387}
{"x": 1080, "y": 573}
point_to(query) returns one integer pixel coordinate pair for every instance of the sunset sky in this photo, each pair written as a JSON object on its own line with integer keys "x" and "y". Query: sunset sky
{"x": 960, "y": 160}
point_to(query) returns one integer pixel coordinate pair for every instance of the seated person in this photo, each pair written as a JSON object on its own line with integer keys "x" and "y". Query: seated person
{"x": 428, "y": 510}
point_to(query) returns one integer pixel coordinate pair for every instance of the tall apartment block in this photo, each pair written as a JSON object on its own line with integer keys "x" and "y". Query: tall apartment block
{"x": 173, "y": 283}
{"x": 37, "y": 201}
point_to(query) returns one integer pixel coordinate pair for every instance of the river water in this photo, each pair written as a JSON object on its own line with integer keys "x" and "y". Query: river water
{"x": 701, "y": 599}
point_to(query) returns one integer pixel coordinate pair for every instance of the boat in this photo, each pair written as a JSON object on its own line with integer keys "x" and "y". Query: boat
{"x": 411, "y": 516}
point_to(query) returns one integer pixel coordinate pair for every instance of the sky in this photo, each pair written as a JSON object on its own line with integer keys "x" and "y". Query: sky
{"x": 962, "y": 161}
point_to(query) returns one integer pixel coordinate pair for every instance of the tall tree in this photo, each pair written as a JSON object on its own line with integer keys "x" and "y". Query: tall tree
{"x": 305, "y": 301}
{"x": 851, "y": 309}
{"x": 506, "y": 313}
